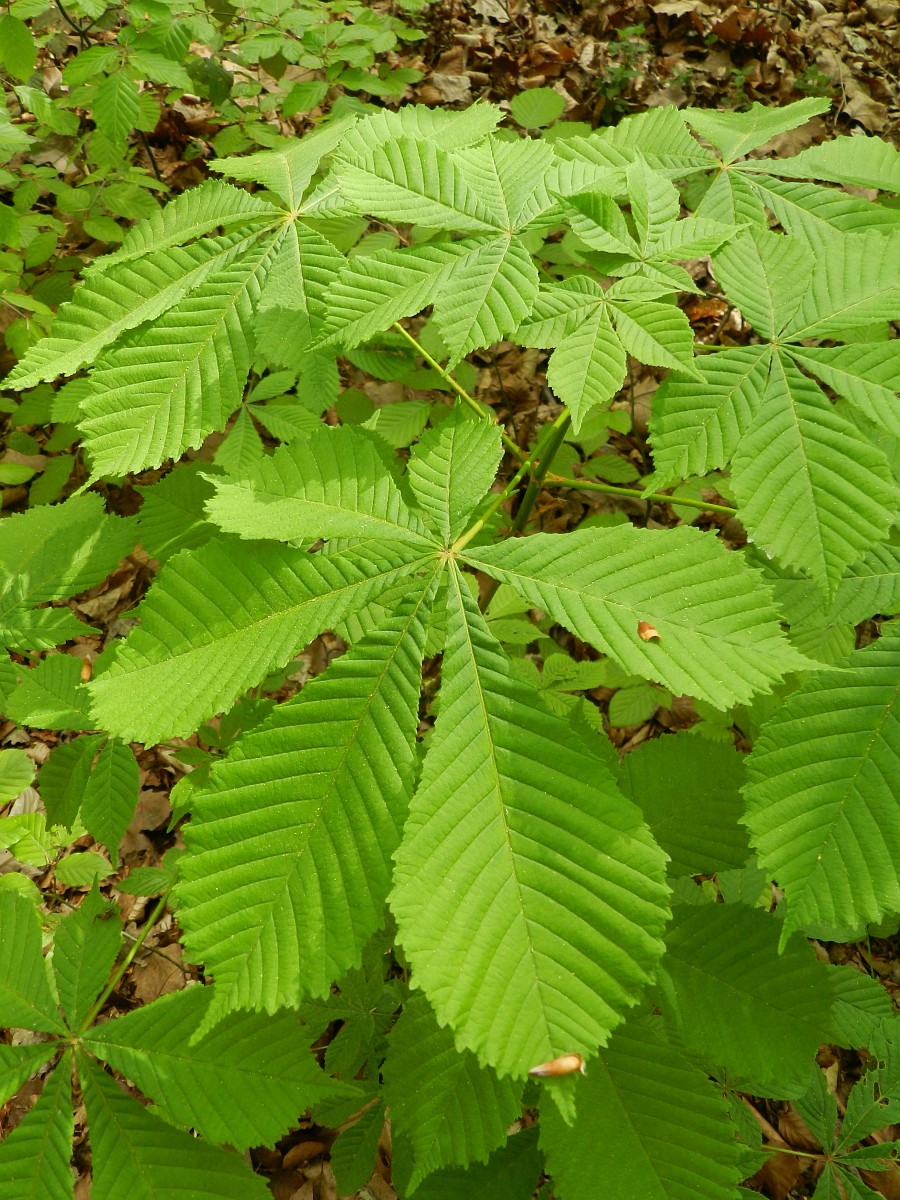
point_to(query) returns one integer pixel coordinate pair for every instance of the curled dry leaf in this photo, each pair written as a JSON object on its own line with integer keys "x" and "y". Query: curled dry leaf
{"x": 647, "y": 633}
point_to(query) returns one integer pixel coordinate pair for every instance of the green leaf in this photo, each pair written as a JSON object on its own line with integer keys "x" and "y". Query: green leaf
{"x": 301, "y": 821}
{"x": 172, "y": 516}
{"x": 451, "y": 469}
{"x": 159, "y": 1162}
{"x": 855, "y": 282}
{"x": 417, "y": 183}
{"x": 588, "y": 366}
{"x": 106, "y": 306}
{"x": 286, "y": 171}
{"x": 816, "y": 213}
{"x": 19, "y": 1063}
{"x": 860, "y": 1006}
{"x": 35, "y": 1157}
{"x": 451, "y": 1110}
{"x": 133, "y": 420}
{"x": 51, "y": 695}
{"x": 518, "y": 883}
{"x": 84, "y": 950}
{"x": 64, "y": 778}
{"x": 18, "y": 52}
{"x": 648, "y": 1124}
{"x": 51, "y": 553}
{"x": 766, "y": 275}
{"x": 25, "y": 998}
{"x": 867, "y": 162}
{"x": 16, "y": 774}
{"x": 736, "y": 134}
{"x": 697, "y": 429}
{"x": 764, "y": 1016}
{"x": 511, "y": 1173}
{"x": 659, "y": 136}
{"x": 270, "y": 601}
{"x": 111, "y": 796}
{"x": 537, "y": 108}
{"x": 689, "y": 793}
{"x": 811, "y": 489}
{"x": 720, "y": 638}
{"x": 81, "y": 870}
{"x": 353, "y": 1155}
{"x": 244, "y": 1083}
{"x": 115, "y": 108}
{"x": 195, "y": 213}
{"x": 867, "y": 375}
{"x": 821, "y": 806}
{"x": 332, "y": 484}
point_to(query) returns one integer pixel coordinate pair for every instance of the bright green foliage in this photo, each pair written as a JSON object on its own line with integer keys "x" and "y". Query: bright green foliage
{"x": 431, "y": 843}
{"x": 649, "y": 1124}
{"x": 822, "y": 807}
{"x": 243, "y": 1084}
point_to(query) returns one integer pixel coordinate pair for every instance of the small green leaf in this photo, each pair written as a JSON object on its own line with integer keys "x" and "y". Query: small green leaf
{"x": 537, "y": 108}
{"x": 84, "y": 950}
{"x": 16, "y": 774}
{"x": 18, "y": 52}
{"x": 25, "y": 997}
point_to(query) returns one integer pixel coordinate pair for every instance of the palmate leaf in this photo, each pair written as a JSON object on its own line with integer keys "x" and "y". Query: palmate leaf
{"x": 821, "y": 801}
{"x": 812, "y": 490}
{"x": 696, "y": 427}
{"x": 300, "y": 822}
{"x": 763, "y": 1015}
{"x": 332, "y": 484}
{"x": 287, "y": 171}
{"x": 528, "y": 895}
{"x": 736, "y": 134}
{"x": 451, "y": 1110}
{"x": 35, "y": 1157}
{"x": 720, "y": 638}
{"x": 451, "y": 467}
{"x": 49, "y": 553}
{"x": 304, "y": 266}
{"x": 137, "y": 1156}
{"x": 106, "y": 306}
{"x": 262, "y": 603}
{"x": 169, "y": 385}
{"x": 649, "y": 1124}
{"x": 510, "y": 177}
{"x": 244, "y": 1083}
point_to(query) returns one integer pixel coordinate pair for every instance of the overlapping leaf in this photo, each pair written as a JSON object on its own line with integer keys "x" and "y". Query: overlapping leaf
{"x": 300, "y": 823}
{"x": 822, "y": 809}
{"x": 523, "y": 874}
{"x": 333, "y": 484}
{"x": 261, "y": 604}
{"x": 648, "y": 1124}
{"x": 720, "y": 638}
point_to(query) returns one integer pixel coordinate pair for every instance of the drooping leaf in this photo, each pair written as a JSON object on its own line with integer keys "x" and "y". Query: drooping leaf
{"x": 518, "y": 882}
{"x": 719, "y": 634}
{"x": 821, "y": 805}
{"x": 648, "y": 1123}
{"x": 300, "y": 821}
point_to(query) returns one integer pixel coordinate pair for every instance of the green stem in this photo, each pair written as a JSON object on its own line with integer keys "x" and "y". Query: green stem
{"x": 632, "y": 493}
{"x": 464, "y": 538}
{"x": 124, "y": 964}
{"x": 475, "y": 405}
